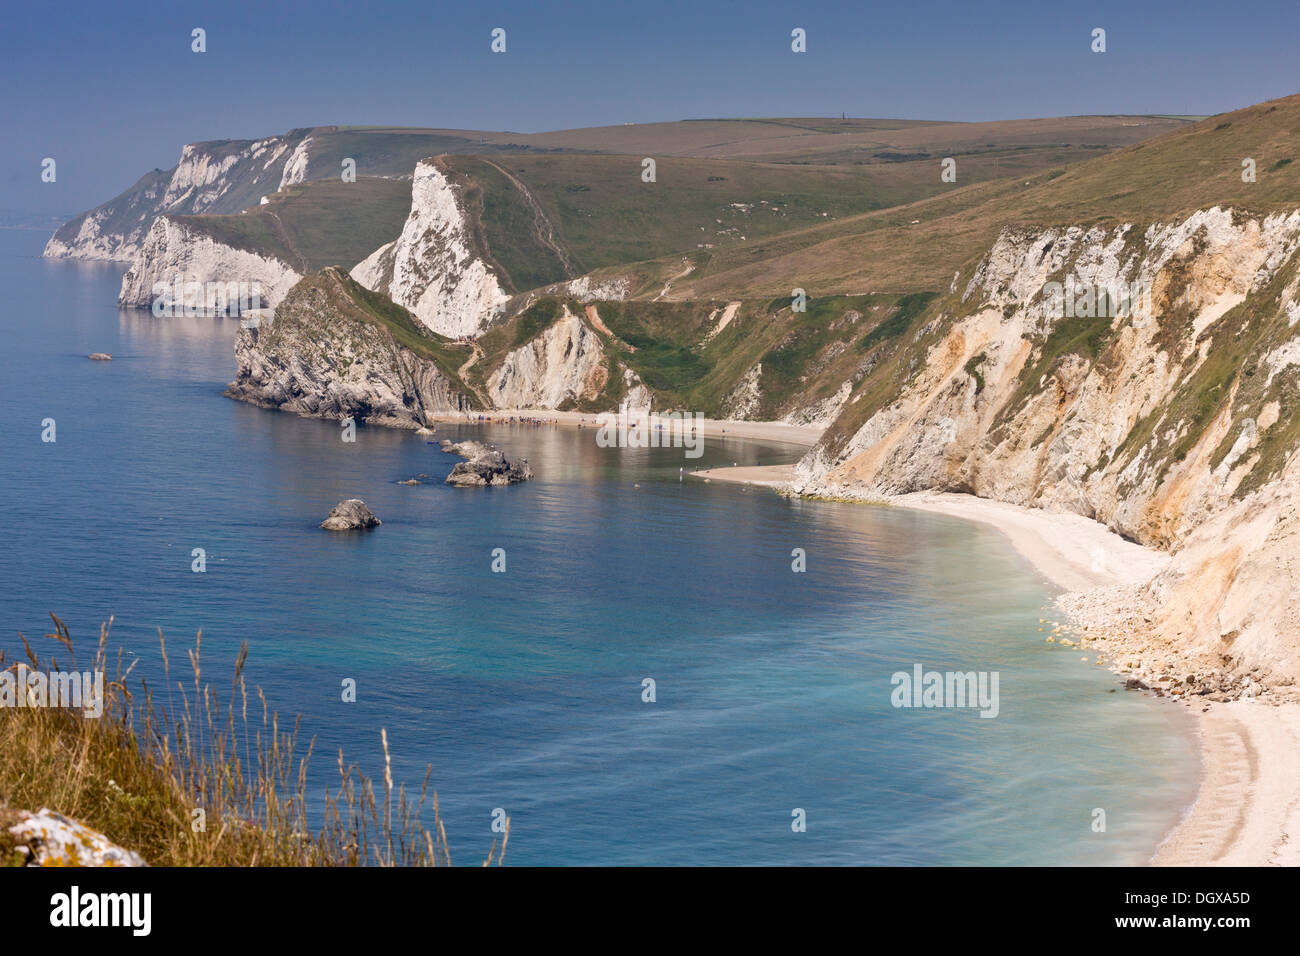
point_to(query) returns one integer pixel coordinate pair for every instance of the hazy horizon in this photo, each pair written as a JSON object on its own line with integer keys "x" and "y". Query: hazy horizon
{"x": 112, "y": 93}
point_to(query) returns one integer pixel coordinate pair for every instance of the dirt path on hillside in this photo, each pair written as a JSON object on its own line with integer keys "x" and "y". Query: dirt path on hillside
{"x": 542, "y": 227}
{"x": 469, "y": 364}
{"x": 594, "y": 318}
{"x": 282, "y": 234}
{"x": 690, "y": 267}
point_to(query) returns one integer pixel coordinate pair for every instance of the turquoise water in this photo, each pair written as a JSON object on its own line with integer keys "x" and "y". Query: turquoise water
{"x": 523, "y": 689}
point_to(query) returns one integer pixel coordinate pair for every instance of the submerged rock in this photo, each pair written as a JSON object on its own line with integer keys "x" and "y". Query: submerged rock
{"x": 485, "y": 466}
{"x": 350, "y": 515}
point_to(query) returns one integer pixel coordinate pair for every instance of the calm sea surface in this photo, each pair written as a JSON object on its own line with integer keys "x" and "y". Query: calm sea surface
{"x": 524, "y": 689}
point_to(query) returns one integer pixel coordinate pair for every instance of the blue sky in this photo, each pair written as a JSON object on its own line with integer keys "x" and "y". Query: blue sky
{"x": 111, "y": 90}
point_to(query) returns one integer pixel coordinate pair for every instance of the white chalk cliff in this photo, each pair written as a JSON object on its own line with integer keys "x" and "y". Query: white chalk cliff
{"x": 1175, "y": 429}
{"x": 434, "y": 268}
{"x": 217, "y": 177}
{"x": 564, "y": 363}
{"x": 179, "y": 249}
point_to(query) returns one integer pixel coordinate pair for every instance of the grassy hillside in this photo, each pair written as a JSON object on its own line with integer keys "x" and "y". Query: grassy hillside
{"x": 906, "y": 152}
{"x": 681, "y": 352}
{"x": 355, "y": 302}
{"x": 314, "y": 225}
{"x": 918, "y": 246}
{"x": 601, "y": 213}
{"x": 880, "y": 281}
{"x": 144, "y": 772}
{"x": 830, "y": 140}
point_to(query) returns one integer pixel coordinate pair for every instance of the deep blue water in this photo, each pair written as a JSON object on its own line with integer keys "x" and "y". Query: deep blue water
{"x": 523, "y": 689}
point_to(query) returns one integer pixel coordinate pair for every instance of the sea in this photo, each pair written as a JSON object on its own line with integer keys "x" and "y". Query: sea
{"x": 637, "y": 667}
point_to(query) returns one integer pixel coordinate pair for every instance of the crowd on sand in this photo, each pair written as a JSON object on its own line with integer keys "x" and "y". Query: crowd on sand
{"x": 514, "y": 420}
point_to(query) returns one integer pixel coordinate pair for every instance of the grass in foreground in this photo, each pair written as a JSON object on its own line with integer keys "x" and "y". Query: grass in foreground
{"x": 142, "y": 772}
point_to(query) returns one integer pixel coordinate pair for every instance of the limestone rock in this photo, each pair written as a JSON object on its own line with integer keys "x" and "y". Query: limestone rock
{"x": 485, "y": 466}
{"x": 46, "y": 838}
{"x": 350, "y": 515}
{"x": 325, "y": 357}
{"x": 433, "y": 268}
{"x": 174, "y": 248}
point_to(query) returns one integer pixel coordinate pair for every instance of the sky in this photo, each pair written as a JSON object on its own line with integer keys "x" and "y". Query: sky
{"x": 113, "y": 90}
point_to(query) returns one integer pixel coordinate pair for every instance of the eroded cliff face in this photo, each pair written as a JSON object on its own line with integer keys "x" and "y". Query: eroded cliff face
{"x": 564, "y": 363}
{"x": 435, "y": 268}
{"x": 1123, "y": 419}
{"x": 175, "y": 249}
{"x": 323, "y": 356}
{"x": 218, "y": 177}
{"x": 1175, "y": 427}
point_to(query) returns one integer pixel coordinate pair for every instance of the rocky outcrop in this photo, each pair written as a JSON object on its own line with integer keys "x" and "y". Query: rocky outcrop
{"x": 1007, "y": 405}
{"x": 350, "y": 515}
{"x": 295, "y": 170}
{"x": 1173, "y": 425}
{"x": 485, "y": 466}
{"x": 743, "y": 400}
{"x": 46, "y": 838}
{"x": 819, "y": 414}
{"x": 225, "y": 176}
{"x": 435, "y": 267}
{"x": 101, "y": 357}
{"x": 205, "y": 267}
{"x": 564, "y": 363}
{"x": 326, "y": 354}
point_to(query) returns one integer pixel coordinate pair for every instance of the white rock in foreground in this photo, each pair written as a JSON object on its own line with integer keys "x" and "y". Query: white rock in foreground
{"x": 46, "y": 838}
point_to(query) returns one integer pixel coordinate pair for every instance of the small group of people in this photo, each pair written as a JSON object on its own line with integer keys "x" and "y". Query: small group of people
{"x": 513, "y": 420}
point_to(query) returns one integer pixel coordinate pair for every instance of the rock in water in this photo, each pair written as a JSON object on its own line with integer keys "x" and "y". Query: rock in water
{"x": 101, "y": 357}
{"x": 485, "y": 466}
{"x": 350, "y": 515}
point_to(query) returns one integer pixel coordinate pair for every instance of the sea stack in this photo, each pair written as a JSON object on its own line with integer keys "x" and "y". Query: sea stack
{"x": 485, "y": 466}
{"x": 350, "y": 515}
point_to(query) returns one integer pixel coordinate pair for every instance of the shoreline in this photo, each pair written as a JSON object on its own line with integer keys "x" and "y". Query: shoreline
{"x": 1246, "y": 810}
{"x": 805, "y": 436}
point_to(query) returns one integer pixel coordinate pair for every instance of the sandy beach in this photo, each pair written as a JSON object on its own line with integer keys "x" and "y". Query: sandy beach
{"x": 802, "y": 436}
{"x": 1247, "y": 807}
